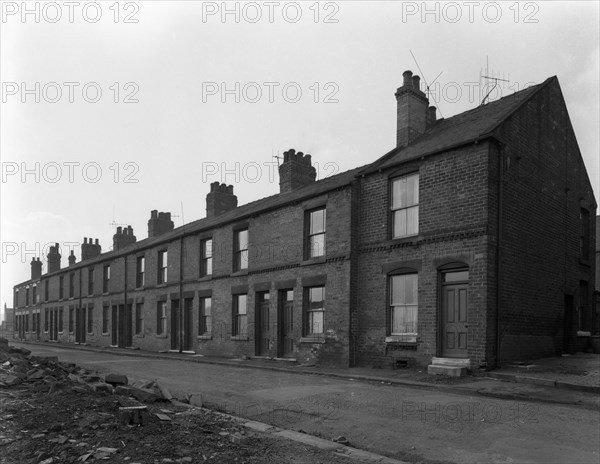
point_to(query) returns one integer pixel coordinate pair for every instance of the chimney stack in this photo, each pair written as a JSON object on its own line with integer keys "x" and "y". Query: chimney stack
{"x": 412, "y": 110}
{"x": 72, "y": 258}
{"x": 36, "y": 268}
{"x": 90, "y": 250}
{"x": 159, "y": 223}
{"x": 123, "y": 237}
{"x": 220, "y": 199}
{"x": 54, "y": 259}
{"x": 431, "y": 116}
{"x": 296, "y": 171}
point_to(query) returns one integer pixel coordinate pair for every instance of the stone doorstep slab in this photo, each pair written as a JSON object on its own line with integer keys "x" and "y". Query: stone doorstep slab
{"x": 451, "y": 371}
{"x": 454, "y": 362}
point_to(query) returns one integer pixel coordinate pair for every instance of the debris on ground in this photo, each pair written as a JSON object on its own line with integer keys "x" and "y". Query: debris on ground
{"x": 54, "y": 412}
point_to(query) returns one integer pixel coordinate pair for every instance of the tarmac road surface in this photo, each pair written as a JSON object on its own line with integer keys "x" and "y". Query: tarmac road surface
{"x": 400, "y": 422}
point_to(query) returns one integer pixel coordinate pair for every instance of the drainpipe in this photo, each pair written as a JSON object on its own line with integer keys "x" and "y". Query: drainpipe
{"x": 499, "y": 251}
{"x": 81, "y": 311}
{"x": 181, "y": 332}
{"x": 125, "y": 325}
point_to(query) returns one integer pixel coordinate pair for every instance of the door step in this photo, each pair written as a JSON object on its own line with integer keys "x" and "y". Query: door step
{"x": 453, "y": 367}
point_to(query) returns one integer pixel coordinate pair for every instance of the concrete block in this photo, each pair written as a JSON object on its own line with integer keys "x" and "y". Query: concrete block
{"x": 116, "y": 379}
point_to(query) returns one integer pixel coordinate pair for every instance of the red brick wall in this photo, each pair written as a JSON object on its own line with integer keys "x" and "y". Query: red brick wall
{"x": 545, "y": 185}
{"x": 453, "y": 210}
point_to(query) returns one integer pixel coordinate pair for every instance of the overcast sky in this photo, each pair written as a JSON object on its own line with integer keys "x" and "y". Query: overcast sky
{"x": 141, "y": 105}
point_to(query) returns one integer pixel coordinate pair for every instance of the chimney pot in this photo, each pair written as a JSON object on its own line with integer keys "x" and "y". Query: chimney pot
{"x": 407, "y": 75}
{"x": 119, "y": 230}
{"x": 84, "y": 240}
{"x": 416, "y": 82}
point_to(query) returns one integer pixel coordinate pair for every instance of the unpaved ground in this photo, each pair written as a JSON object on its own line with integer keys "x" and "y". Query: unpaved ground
{"x": 52, "y": 412}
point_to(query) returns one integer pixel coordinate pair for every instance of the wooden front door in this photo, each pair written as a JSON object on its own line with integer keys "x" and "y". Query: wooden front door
{"x": 263, "y": 336}
{"x": 187, "y": 324}
{"x": 115, "y": 325}
{"x": 175, "y": 324}
{"x": 286, "y": 323}
{"x": 454, "y": 320}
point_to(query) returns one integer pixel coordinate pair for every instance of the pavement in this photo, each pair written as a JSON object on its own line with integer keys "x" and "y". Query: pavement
{"x": 578, "y": 373}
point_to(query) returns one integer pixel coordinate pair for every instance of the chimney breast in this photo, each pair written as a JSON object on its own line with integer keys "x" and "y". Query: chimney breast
{"x": 159, "y": 223}
{"x": 412, "y": 113}
{"x": 36, "y": 269}
{"x": 220, "y": 199}
{"x": 72, "y": 258}
{"x": 54, "y": 258}
{"x": 296, "y": 171}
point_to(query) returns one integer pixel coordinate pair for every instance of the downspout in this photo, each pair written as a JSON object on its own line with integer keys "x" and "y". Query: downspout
{"x": 181, "y": 332}
{"x": 126, "y": 326}
{"x": 82, "y": 328}
{"x": 499, "y": 251}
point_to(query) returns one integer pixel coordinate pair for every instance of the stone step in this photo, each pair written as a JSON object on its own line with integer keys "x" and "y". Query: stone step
{"x": 455, "y": 362}
{"x": 451, "y": 371}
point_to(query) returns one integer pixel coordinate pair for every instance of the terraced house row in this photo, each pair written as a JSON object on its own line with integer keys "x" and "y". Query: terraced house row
{"x": 470, "y": 243}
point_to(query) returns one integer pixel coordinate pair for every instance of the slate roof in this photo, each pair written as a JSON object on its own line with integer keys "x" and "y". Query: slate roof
{"x": 458, "y": 130}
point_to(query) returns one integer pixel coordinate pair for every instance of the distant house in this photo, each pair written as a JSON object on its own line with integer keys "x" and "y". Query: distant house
{"x": 470, "y": 243}
{"x": 7, "y": 323}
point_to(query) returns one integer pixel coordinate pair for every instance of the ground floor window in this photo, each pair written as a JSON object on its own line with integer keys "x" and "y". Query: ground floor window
{"x": 161, "y": 318}
{"x": 205, "y": 316}
{"x": 403, "y": 304}
{"x": 105, "y": 319}
{"x": 60, "y": 320}
{"x": 240, "y": 315}
{"x": 90, "y": 320}
{"x": 139, "y": 318}
{"x": 314, "y": 311}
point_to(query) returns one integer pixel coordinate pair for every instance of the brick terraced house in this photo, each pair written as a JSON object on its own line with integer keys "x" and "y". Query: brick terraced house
{"x": 469, "y": 244}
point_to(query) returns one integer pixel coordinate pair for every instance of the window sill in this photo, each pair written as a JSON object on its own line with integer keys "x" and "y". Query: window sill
{"x": 242, "y": 272}
{"x": 313, "y": 339}
{"x": 138, "y": 335}
{"x": 583, "y": 333}
{"x": 139, "y": 288}
{"x": 242, "y": 338}
{"x": 584, "y": 262}
{"x": 408, "y": 339}
{"x": 411, "y": 239}
{"x": 205, "y": 278}
{"x": 160, "y": 336}
{"x": 204, "y": 337}
{"x": 317, "y": 260}
{"x": 104, "y": 293}
{"x": 105, "y": 334}
{"x": 161, "y": 285}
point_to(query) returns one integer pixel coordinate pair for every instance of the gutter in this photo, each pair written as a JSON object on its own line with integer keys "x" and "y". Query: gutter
{"x": 499, "y": 250}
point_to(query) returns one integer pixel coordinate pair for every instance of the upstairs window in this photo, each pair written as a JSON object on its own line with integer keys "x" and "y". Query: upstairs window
{"x": 240, "y": 249}
{"x": 71, "y": 285}
{"x": 405, "y": 206}
{"x": 316, "y": 233}
{"x": 91, "y": 281}
{"x": 140, "y": 269}
{"x": 162, "y": 266}
{"x": 34, "y": 295}
{"x": 584, "y": 236}
{"x": 206, "y": 261}
{"x": 105, "y": 278}
{"x": 61, "y": 287}
{"x": 46, "y": 289}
